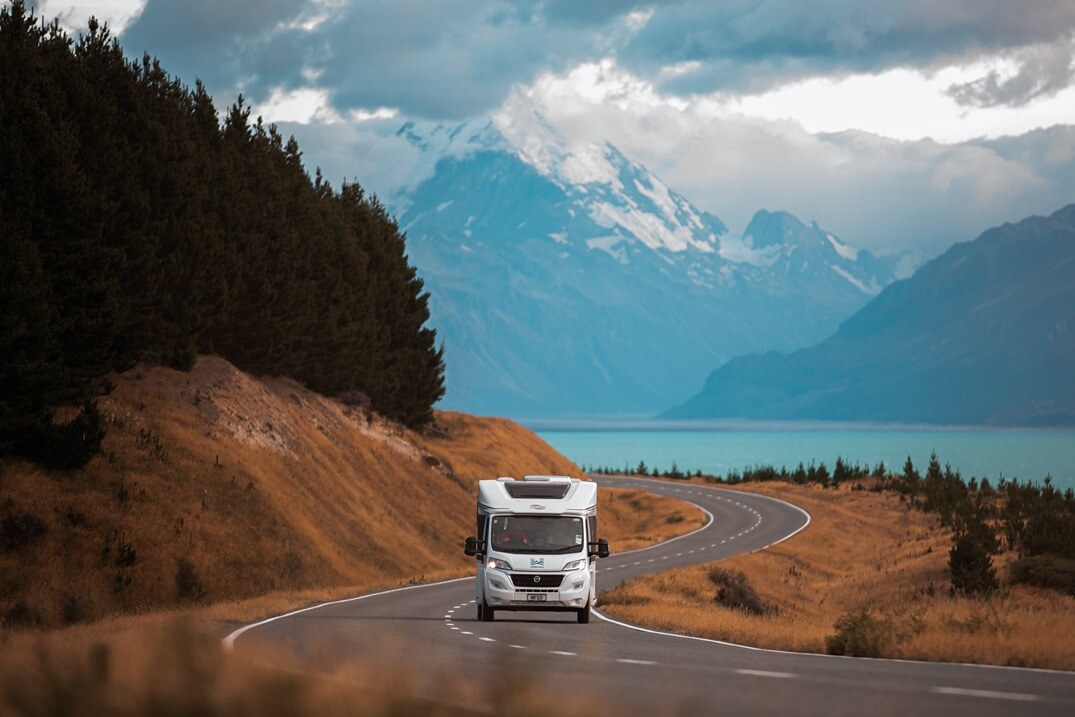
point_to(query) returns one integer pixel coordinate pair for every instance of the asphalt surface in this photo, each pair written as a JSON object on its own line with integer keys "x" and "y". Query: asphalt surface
{"x": 430, "y": 627}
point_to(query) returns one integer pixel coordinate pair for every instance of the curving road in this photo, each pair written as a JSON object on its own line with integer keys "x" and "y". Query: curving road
{"x": 430, "y": 626}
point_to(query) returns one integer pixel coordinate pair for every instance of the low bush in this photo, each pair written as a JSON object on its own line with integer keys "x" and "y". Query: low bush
{"x": 860, "y": 634}
{"x": 970, "y": 565}
{"x": 70, "y": 445}
{"x": 187, "y": 584}
{"x": 21, "y": 616}
{"x": 735, "y": 591}
{"x": 1045, "y": 571}
{"x": 19, "y": 529}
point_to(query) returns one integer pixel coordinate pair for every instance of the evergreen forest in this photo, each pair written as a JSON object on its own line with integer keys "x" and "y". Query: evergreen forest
{"x": 137, "y": 225}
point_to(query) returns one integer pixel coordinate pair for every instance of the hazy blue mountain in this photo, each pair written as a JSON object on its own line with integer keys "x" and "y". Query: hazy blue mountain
{"x": 985, "y": 333}
{"x": 569, "y": 279}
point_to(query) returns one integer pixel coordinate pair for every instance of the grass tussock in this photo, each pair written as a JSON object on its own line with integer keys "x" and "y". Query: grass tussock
{"x": 214, "y": 486}
{"x": 868, "y": 576}
{"x": 174, "y": 671}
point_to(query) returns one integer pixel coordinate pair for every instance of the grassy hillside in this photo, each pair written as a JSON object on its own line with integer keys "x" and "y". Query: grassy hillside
{"x": 863, "y": 551}
{"x": 214, "y": 485}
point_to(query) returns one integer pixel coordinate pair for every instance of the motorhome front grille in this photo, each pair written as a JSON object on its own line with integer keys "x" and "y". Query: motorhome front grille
{"x": 539, "y": 580}
{"x": 537, "y": 490}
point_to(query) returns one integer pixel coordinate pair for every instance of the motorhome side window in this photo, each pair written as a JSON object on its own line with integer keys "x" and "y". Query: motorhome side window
{"x": 537, "y": 534}
{"x": 483, "y": 520}
{"x": 592, "y": 525}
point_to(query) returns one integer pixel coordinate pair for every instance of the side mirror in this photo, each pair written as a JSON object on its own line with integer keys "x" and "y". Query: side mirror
{"x": 602, "y": 548}
{"x": 473, "y": 546}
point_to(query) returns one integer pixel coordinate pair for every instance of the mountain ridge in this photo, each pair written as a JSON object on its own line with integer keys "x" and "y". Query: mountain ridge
{"x": 568, "y": 278}
{"x": 983, "y": 334}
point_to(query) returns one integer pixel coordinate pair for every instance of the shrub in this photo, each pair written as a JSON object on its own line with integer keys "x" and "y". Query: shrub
{"x": 126, "y": 555}
{"x": 187, "y": 584}
{"x": 69, "y": 445}
{"x": 21, "y": 615}
{"x": 735, "y": 591}
{"x": 970, "y": 565}
{"x": 1045, "y": 571}
{"x": 860, "y": 634}
{"x": 73, "y": 609}
{"x": 19, "y": 529}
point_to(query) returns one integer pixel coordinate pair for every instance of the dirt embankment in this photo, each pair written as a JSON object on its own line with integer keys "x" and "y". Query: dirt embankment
{"x": 214, "y": 485}
{"x": 862, "y": 551}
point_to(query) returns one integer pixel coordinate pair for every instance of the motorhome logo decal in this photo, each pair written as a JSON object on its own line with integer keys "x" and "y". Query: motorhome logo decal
{"x": 537, "y": 563}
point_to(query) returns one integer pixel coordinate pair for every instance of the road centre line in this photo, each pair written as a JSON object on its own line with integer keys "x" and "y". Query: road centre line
{"x": 988, "y": 694}
{"x": 766, "y": 673}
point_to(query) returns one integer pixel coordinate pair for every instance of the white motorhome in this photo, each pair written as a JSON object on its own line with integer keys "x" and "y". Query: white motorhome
{"x": 536, "y": 545}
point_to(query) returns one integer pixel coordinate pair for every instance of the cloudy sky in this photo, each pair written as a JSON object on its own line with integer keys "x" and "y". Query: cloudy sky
{"x": 896, "y": 124}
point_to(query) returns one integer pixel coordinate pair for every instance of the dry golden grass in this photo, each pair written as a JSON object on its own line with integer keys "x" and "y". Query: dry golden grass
{"x": 861, "y": 550}
{"x": 173, "y": 670}
{"x": 263, "y": 488}
{"x": 633, "y": 519}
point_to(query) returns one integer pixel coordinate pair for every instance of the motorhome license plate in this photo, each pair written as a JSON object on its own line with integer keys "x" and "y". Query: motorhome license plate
{"x": 535, "y": 597}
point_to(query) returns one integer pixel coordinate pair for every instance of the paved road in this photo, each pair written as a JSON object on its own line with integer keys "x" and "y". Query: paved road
{"x": 429, "y": 627}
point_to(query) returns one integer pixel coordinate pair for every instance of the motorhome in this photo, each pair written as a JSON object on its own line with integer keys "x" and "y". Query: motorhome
{"x": 536, "y": 546}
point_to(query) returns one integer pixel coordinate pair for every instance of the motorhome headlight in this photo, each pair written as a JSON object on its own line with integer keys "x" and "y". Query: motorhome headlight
{"x": 495, "y": 564}
{"x": 575, "y": 565}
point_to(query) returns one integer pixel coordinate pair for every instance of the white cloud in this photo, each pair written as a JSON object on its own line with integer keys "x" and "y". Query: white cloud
{"x": 902, "y": 104}
{"x": 302, "y": 105}
{"x": 312, "y": 104}
{"x": 878, "y": 192}
{"x": 73, "y": 14}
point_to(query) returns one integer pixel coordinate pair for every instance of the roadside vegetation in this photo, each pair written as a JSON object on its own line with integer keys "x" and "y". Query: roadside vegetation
{"x": 897, "y": 565}
{"x": 1036, "y": 523}
{"x": 215, "y": 486}
{"x": 176, "y": 671}
{"x": 139, "y": 227}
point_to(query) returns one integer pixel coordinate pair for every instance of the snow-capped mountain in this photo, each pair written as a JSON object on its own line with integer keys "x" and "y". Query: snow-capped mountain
{"x": 569, "y": 279}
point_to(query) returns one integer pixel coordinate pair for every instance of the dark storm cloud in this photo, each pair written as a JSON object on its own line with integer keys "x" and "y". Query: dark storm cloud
{"x": 220, "y": 41}
{"x": 752, "y": 44}
{"x": 459, "y": 58}
{"x": 447, "y": 59}
{"x": 1045, "y": 70}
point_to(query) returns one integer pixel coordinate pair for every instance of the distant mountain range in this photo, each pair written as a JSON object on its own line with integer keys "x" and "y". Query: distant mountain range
{"x": 570, "y": 279}
{"x": 983, "y": 334}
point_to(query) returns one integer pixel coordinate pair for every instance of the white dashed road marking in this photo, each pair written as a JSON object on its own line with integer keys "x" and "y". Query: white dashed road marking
{"x": 988, "y": 694}
{"x": 766, "y": 673}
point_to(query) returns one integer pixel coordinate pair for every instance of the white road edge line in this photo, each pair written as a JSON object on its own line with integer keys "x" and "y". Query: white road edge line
{"x": 766, "y": 673}
{"x": 988, "y": 694}
{"x": 818, "y": 655}
{"x": 229, "y": 641}
{"x": 628, "y": 661}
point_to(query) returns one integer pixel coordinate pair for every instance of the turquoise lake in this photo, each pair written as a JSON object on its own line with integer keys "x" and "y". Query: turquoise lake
{"x": 1026, "y": 454}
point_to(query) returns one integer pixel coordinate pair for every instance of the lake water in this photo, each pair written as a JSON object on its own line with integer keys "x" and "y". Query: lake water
{"x": 1026, "y": 454}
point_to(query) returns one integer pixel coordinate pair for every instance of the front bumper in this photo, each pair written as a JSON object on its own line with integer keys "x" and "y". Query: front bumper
{"x": 572, "y": 594}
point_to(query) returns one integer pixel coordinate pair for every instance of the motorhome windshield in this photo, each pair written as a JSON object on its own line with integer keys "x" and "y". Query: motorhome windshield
{"x": 537, "y": 534}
